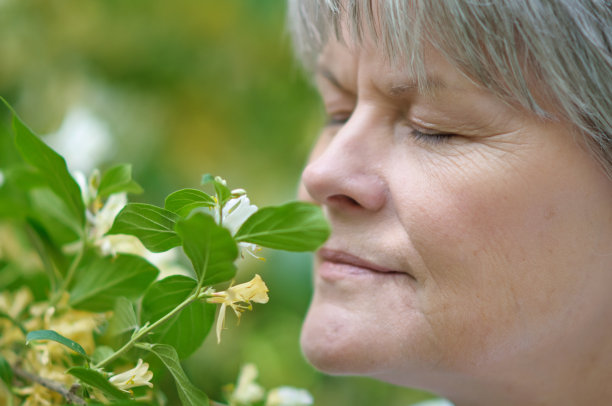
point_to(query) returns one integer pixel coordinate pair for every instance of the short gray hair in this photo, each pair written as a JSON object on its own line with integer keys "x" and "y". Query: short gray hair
{"x": 564, "y": 46}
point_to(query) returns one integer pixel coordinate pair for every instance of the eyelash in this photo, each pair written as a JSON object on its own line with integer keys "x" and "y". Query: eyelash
{"x": 432, "y": 138}
{"x": 420, "y": 136}
{"x": 337, "y": 120}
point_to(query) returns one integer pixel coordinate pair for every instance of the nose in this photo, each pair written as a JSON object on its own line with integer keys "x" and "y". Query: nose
{"x": 345, "y": 173}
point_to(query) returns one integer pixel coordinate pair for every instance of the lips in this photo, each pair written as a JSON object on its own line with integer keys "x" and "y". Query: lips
{"x": 336, "y": 264}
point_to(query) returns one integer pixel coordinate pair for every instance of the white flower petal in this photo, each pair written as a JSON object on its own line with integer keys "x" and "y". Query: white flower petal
{"x": 103, "y": 220}
{"x": 236, "y": 211}
{"x": 289, "y": 396}
{"x": 247, "y": 391}
{"x": 137, "y": 376}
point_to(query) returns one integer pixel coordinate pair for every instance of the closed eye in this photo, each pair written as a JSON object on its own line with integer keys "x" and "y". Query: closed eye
{"x": 337, "y": 119}
{"x": 431, "y": 137}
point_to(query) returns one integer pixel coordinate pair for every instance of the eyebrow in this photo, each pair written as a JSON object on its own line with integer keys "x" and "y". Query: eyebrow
{"x": 431, "y": 83}
{"x": 329, "y": 75}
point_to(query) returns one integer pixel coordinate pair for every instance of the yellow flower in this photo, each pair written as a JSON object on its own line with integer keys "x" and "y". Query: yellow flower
{"x": 239, "y": 298}
{"x": 137, "y": 376}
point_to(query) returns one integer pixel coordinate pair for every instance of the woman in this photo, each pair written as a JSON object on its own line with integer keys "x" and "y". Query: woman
{"x": 466, "y": 170}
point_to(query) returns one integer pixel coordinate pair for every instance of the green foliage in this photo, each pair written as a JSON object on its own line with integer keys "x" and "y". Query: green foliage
{"x": 292, "y": 227}
{"x": 118, "y": 179}
{"x": 210, "y": 247}
{"x": 221, "y": 190}
{"x": 52, "y": 167}
{"x": 52, "y": 213}
{"x": 188, "y": 393}
{"x": 96, "y": 380}
{"x": 101, "y": 280}
{"x": 188, "y": 329}
{"x": 183, "y": 201}
{"x": 70, "y": 235}
{"x": 100, "y": 353}
{"x": 153, "y": 226}
{"x": 54, "y": 336}
{"x": 124, "y": 318}
{"x": 6, "y": 373}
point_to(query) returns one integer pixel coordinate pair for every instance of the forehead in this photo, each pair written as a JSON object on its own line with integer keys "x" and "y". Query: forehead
{"x": 348, "y": 63}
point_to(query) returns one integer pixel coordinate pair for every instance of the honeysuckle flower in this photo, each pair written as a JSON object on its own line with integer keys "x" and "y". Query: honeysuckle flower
{"x": 101, "y": 218}
{"x": 233, "y": 215}
{"x": 137, "y": 376}
{"x": 1, "y": 178}
{"x": 289, "y": 396}
{"x": 236, "y": 211}
{"x": 247, "y": 391}
{"x": 239, "y": 298}
{"x": 238, "y": 192}
{"x": 88, "y": 186}
{"x": 220, "y": 180}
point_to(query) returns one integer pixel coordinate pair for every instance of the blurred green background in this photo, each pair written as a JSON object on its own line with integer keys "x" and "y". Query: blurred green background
{"x": 181, "y": 88}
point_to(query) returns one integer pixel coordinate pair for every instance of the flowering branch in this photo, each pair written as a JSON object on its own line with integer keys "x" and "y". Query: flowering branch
{"x": 147, "y": 329}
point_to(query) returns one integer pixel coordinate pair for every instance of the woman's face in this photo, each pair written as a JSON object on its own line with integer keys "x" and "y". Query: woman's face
{"x": 470, "y": 238}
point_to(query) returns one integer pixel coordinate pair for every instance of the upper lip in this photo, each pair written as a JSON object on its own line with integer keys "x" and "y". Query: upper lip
{"x": 342, "y": 257}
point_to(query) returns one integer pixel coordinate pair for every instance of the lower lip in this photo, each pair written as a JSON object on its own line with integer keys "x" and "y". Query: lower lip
{"x": 335, "y": 271}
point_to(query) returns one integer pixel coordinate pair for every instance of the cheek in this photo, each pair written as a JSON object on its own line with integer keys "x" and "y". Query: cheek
{"x": 500, "y": 253}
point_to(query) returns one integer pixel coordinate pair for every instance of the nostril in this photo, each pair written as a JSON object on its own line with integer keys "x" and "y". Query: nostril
{"x": 342, "y": 200}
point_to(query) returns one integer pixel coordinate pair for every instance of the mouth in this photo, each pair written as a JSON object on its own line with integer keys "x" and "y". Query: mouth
{"x": 335, "y": 264}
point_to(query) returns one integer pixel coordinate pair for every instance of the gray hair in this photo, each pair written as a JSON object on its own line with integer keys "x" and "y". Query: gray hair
{"x": 562, "y": 48}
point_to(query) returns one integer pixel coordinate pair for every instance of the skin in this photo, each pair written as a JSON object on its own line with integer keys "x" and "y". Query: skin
{"x": 476, "y": 265}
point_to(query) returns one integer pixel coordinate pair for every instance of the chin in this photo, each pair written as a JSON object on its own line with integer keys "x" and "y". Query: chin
{"x": 334, "y": 341}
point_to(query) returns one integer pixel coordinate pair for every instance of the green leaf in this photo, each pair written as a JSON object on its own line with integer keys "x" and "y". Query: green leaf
{"x": 187, "y": 331}
{"x": 295, "y": 226}
{"x": 182, "y": 202}
{"x": 188, "y": 393}
{"x": 54, "y": 215}
{"x": 100, "y": 281}
{"x": 210, "y": 248}
{"x": 52, "y": 167}
{"x": 222, "y": 191}
{"x": 124, "y": 318}
{"x": 153, "y": 226}
{"x": 118, "y": 179}
{"x": 54, "y": 336}
{"x": 95, "y": 379}
{"x": 101, "y": 353}
{"x": 6, "y": 372}
{"x": 49, "y": 246}
{"x": 14, "y": 199}
{"x": 27, "y": 177}
{"x": 207, "y": 178}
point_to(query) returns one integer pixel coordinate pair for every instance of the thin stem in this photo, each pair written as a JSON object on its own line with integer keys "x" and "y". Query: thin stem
{"x": 144, "y": 331}
{"x": 69, "y": 275}
{"x": 73, "y": 266}
{"x": 49, "y": 384}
